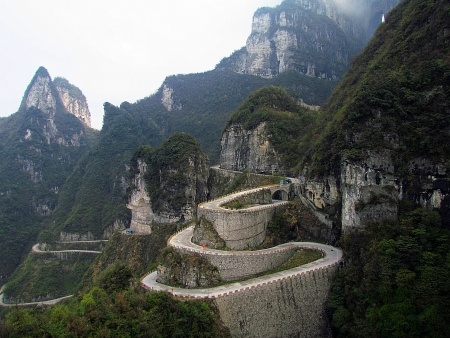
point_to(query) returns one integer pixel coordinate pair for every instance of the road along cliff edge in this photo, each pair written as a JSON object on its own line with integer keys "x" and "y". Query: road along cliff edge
{"x": 332, "y": 257}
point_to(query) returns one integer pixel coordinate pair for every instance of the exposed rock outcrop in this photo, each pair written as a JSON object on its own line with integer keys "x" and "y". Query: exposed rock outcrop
{"x": 167, "y": 99}
{"x": 139, "y": 203}
{"x": 370, "y": 191}
{"x": 168, "y": 183}
{"x": 315, "y": 37}
{"x": 73, "y": 100}
{"x": 41, "y": 94}
{"x": 205, "y": 234}
{"x": 187, "y": 271}
{"x": 43, "y": 97}
{"x": 249, "y": 150}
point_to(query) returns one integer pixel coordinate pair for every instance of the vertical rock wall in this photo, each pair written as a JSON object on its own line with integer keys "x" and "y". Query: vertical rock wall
{"x": 73, "y": 100}
{"x": 249, "y": 150}
{"x": 314, "y": 37}
{"x": 139, "y": 203}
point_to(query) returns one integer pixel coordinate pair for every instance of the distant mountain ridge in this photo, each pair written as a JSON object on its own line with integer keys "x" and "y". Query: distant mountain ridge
{"x": 39, "y": 147}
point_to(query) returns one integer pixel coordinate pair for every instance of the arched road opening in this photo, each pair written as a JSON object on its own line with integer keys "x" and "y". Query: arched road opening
{"x": 280, "y": 195}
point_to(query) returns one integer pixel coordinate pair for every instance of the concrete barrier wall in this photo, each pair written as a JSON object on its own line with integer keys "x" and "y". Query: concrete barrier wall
{"x": 290, "y": 307}
{"x": 241, "y": 229}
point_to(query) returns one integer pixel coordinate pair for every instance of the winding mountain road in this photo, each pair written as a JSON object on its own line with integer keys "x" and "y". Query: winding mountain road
{"x": 36, "y": 249}
{"x": 216, "y": 203}
{"x": 332, "y": 256}
{"x": 40, "y": 303}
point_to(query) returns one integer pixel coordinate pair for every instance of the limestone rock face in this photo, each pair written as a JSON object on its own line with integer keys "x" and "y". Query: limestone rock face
{"x": 249, "y": 150}
{"x": 187, "y": 271}
{"x": 44, "y": 102}
{"x": 168, "y": 184}
{"x": 205, "y": 234}
{"x": 167, "y": 99}
{"x": 142, "y": 215}
{"x": 40, "y": 94}
{"x": 370, "y": 190}
{"x": 179, "y": 200}
{"x": 315, "y": 37}
{"x": 73, "y": 100}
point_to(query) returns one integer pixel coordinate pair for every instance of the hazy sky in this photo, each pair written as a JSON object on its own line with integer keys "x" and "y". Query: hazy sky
{"x": 116, "y": 50}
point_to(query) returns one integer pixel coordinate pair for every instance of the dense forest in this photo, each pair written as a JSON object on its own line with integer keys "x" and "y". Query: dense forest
{"x": 113, "y": 307}
{"x": 395, "y": 282}
{"x": 395, "y": 95}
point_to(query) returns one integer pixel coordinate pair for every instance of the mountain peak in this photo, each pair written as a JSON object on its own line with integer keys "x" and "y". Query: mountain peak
{"x": 46, "y": 94}
{"x": 42, "y": 72}
{"x": 40, "y": 93}
{"x": 73, "y": 100}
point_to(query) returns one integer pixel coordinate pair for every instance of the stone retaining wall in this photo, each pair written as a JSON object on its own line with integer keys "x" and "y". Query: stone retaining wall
{"x": 289, "y": 307}
{"x": 241, "y": 229}
{"x": 234, "y": 266}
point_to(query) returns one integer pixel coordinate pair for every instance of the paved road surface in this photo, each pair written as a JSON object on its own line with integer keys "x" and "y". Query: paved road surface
{"x": 46, "y": 302}
{"x": 37, "y": 250}
{"x": 331, "y": 256}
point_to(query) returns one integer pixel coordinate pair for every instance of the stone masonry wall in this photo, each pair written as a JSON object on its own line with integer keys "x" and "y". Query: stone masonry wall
{"x": 238, "y": 265}
{"x": 290, "y": 307}
{"x": 241, "y": 229}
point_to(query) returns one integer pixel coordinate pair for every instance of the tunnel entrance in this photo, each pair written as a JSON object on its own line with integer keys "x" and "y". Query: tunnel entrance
{"x": 280, "y": 195}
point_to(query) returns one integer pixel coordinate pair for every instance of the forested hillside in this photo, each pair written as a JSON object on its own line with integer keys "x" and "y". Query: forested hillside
{"x": 395, "y": 95}
{"x": 39, "y": 147}
{"x": 395, "y": 98}
{"x": 94, "y": 199}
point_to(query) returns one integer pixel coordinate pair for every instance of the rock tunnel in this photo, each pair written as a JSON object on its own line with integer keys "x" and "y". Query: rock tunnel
{"x": 280, "y": 195}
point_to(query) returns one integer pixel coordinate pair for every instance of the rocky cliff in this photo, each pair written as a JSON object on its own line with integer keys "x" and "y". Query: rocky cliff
{"x": 249, "y": 150}
{"x": 47, "y": 97}
{"x": 168, "y": 183}
{"x": 73, "y": 100}
{"x": 315, "y": 37}
{"x": 261, "y": 136}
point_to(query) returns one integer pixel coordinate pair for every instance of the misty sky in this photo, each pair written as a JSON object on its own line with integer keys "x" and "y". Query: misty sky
{"x": 116, "y": 50}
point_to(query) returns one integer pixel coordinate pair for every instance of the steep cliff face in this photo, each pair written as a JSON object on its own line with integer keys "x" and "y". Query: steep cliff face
{"x": 168, "y": 183}
{"x": 40, "y": 94}
{"x": 249, "y": 150}
{"x": 139, "y": 203}
{"x": 261, "y": 135}
{"x": 314, "y": 37}
{"x": 370, "y": 190}
{"x": 73, "y": 100}
{"x": 43, "y": 96}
